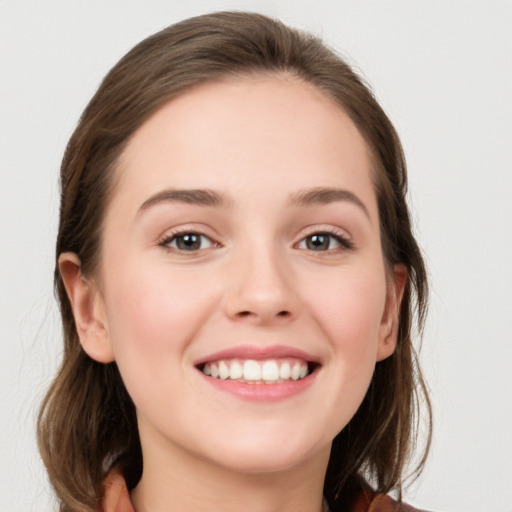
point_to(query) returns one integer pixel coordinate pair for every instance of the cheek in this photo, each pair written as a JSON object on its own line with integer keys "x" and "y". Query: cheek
{"x": 153, "y": 317}
{"x": 350, "y": 311}
{"x": 153, "y": 314}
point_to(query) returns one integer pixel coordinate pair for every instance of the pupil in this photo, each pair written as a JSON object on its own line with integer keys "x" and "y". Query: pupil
{"x": 316, "y": 242}
{"x": 189, "y": 242}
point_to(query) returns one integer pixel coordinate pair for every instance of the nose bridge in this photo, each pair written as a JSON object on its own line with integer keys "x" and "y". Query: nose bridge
{"x": 260, "y": 284}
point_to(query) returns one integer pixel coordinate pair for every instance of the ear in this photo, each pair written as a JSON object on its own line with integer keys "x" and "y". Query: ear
{"x": 388, "y": 332}
{"x": 88, "y": 309}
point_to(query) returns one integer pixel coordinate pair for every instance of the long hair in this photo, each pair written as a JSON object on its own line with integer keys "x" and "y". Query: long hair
{"x": 87, "y": 421}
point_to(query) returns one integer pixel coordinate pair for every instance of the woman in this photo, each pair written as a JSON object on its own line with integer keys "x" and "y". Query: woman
{"x": 238, "y": 280}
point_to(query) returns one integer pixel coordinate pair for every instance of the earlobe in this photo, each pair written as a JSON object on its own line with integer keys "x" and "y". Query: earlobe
{"x": 88, "y": 309}
{"x": 389, "y": 324}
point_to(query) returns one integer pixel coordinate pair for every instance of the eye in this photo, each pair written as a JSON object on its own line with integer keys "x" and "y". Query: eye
{"x": 187, "y": 242}
{"x": 324, "y": 242}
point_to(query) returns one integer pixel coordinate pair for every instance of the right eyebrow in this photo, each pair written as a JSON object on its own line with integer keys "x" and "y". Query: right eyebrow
{"x": 199, "y": 197}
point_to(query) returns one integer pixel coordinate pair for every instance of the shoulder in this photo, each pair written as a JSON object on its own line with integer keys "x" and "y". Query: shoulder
{"x": 384, "y": 503}
{"x": 367, "y": 500}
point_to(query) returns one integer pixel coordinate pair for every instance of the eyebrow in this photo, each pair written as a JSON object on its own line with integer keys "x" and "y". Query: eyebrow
{"x": 207, "y": 197}
{"x": 199, "y": 197}
{"x": 326, "y": 195}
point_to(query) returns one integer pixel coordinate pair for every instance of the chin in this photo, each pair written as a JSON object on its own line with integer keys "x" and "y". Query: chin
{"x": 268, "y": 455}
{"x": 263, "y": 463}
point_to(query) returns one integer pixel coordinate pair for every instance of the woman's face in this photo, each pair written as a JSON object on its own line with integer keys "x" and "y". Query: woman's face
{"x": 242, "y": 290}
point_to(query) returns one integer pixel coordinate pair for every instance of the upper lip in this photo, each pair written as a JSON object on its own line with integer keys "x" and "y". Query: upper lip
{"x": 258, "y": 353}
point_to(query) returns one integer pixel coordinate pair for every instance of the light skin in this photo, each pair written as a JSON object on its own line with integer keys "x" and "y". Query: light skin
{"x": 285, "y": 251}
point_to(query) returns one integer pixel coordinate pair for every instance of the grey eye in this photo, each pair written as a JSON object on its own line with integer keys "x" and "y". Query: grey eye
{"x": 189, "y": 242}
{"x": 321, "y": 242}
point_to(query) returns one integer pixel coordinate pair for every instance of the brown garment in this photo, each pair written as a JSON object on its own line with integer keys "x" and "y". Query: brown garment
{"x": 117, "y": 498}
{"x": 369, "y": 501}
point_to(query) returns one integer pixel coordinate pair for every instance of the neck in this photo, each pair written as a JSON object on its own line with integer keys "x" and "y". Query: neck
{"x": 178, "y": 481}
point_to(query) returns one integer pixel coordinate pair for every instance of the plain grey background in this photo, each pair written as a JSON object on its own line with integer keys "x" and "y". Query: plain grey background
{"x": 443, "y": 72}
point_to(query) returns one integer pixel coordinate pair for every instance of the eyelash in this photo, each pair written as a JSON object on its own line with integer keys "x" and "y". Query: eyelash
{"x": 172, "y": 237}
{"x": 344, "y": 242}
{"x": 341, "y": 239}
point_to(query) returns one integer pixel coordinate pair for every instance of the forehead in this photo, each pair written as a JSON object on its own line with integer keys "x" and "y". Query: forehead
{"x": 242, "y": 132}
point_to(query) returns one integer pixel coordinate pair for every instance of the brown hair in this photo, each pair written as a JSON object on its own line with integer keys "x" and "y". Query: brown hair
{"x": 87, "y": 421}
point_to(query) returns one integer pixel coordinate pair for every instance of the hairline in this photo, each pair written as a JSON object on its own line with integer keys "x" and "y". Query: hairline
{"x": 115, "y": 169}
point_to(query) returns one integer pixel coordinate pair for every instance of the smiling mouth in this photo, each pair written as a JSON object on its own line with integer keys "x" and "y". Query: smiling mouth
{"x": 252, "y": 371}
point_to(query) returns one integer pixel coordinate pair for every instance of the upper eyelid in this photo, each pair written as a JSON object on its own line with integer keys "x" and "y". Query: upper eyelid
{"x": 166, "y": 242}
{"x": 187, "y": 229}
{"x": 326, "y": 229}
{"x": 166, "y": 239}
{"x": 344, "y": 239}
{"x": 172, "y": 236}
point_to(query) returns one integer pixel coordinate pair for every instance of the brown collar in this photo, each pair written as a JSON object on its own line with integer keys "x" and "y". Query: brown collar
{"x": 117, "y": 498}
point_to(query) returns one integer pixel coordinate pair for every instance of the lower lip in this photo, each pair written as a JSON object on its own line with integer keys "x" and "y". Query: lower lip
{"x": 262, "y": 392}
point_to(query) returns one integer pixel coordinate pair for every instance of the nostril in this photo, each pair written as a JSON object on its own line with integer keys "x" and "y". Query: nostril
{"x": 244, "y": 314}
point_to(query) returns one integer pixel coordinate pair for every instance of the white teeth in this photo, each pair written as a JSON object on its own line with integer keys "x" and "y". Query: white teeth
{"x": 223, "y": 370}
{"x": 252, "y": 370}
{"x": 285, "y": 371}
{"x": 236, "y": 371}
{"x": 270, "y": 371}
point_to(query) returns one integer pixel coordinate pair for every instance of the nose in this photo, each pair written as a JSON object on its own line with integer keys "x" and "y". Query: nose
{"x": 260, "y": 290}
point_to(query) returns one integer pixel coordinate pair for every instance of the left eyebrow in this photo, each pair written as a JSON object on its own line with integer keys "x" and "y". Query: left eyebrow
{"x": 325, "y": 195}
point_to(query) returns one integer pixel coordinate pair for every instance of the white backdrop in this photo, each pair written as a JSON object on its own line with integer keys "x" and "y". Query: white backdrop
{"x": 443, "y": 72}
